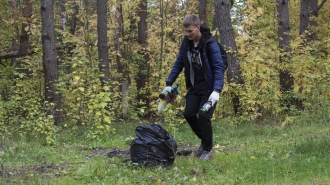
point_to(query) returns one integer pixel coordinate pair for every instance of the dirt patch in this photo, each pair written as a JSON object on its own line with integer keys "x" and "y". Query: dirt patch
{"x": 108, "y": 152}
{"x": 26, "y": 172}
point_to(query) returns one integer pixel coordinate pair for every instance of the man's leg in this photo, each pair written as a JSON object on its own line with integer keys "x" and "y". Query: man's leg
{"x": 206, "y": 128}
{"x": 191, "y": 111}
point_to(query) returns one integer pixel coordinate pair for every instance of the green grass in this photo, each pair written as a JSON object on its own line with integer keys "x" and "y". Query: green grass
{"x": 245, "y": 154}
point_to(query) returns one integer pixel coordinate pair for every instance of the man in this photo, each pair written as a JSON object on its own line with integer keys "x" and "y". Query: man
{"x": 200, "y": 56}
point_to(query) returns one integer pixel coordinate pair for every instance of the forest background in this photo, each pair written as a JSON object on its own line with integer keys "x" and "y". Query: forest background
{"x": 68, "y": 65}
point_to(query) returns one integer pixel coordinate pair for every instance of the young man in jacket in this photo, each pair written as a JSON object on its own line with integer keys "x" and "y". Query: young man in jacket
{"x": 201, "y": 59}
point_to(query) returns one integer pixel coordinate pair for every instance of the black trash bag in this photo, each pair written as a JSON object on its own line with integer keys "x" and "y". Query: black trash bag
{"x": 154, "y": 146}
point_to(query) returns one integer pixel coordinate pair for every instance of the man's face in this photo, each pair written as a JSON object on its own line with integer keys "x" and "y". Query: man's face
{"x": 191, "y": 32}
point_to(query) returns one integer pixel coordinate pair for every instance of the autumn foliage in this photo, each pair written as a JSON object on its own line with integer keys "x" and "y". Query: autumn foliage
{"x": 88, "y": 103}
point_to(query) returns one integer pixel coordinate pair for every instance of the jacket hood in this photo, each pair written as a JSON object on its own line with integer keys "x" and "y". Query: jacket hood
{"x": 206, "y": 34}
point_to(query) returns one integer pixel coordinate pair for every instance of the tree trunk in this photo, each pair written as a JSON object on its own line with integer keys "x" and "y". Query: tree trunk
{"x": 227, "y": 38}
{"x": 215, "y": 24}
{"x": 62, "y": 62}
{"x": 143, "y": 74}
{"x": 102, "y": 42}
{"x": 50, "y": 60}
{"x": 304, "y": 24}
{"x": 24, "y": 39}
{"x": 118, "y": 37}
{"x": 62, "y": 15}
{"x": 73, "y": 21}
{"x": 202, "y": 12}
{"x": 73, "y": 25}
{"x": 119, "y": 56}
{"x": 303, "y": 16}
{"x": 15, "y": 44}
{"x": 313, "y": 13}
{"x": 286, "y": 79}
{"x": 4, "y": 95}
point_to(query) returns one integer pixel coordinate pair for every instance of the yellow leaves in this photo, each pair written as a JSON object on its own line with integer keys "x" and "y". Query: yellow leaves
{"x": 242, "y": 38}
{"x": 100, "y": 127}
{"x": 287, "y": 121}
{"x": 107, "y": 119}
{"x": 82, "y": 89}
{"x": 106, "y": 88}
{"x": 260, "y": 11}
{"x": 247, "y": 21}
{"x": 171, "y": 4}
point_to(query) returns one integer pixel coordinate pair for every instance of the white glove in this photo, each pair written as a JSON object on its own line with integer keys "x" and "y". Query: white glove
{"x": 214, "y": 97}
{"x": 167, "y": 89}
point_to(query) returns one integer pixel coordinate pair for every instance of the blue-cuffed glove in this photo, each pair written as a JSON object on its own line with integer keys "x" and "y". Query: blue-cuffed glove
{"x": 167, "y": 90}
{"x": 214, "y": 97}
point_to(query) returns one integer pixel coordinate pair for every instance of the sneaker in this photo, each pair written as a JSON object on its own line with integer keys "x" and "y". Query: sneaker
{"x": 205, "y": 156}
{"x": 199, "y": 151}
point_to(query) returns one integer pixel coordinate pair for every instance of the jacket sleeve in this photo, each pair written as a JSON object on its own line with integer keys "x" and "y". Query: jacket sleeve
{"x": 177, "y": 67}
{"x": 216, "y": 65}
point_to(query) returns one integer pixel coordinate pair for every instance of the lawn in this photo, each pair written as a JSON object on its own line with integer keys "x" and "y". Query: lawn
{"x": 244, "y": 153}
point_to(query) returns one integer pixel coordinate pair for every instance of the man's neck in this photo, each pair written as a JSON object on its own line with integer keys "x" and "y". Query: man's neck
{"x": 198, "y": 38}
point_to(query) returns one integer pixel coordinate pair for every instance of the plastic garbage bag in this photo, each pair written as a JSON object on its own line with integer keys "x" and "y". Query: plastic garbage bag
{"x": 153, "y": 146}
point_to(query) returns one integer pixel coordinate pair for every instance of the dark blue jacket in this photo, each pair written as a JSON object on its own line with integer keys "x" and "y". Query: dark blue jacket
{"x": 213, "y": 66}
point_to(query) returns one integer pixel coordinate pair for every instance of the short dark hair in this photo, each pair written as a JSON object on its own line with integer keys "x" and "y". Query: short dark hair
{"x": 191, "y": 19}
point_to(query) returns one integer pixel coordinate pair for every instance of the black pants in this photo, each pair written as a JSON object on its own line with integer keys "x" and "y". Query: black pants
{"x": 199, "y": 123}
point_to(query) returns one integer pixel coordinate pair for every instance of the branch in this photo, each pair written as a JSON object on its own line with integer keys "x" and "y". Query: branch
{"x": 2, "y": 64}
{"x": 14, "y": 54}
{"x": 6, "y": 55}
{"x": 318, "y": 8}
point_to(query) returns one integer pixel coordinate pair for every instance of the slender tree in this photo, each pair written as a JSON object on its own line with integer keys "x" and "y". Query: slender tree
{"x": 202, "y": 12}
{"x": 118, "y": 37}
{"x": 143, "y": 74}
{"x": 50, "y": 60}
{"x": 73, "y": 21}
{"x": 227, "y": 38}
{"x": 309, "y": 10}
{"x": 15, "y": 44}
{"x": 286, "y": 79}
{"x": 162, "y": 33}
{"x": 102, "y": 42}
{"x": 313, "y": 14}
{"x": 73, "y": 25}
{"x": 24, "y": 38}
{"x": 303, "y": 16}
{"x": 118, "y": 31}
{"x": 62, "y": 15}
{"x": 304, "y": 24}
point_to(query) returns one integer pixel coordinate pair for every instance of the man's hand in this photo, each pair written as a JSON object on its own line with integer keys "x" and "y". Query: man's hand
{"x": 214, "y": 97}
{"x": 167, "y": 90}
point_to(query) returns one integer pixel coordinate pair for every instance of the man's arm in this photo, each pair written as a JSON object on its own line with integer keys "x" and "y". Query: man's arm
{"x": 177, "y": 67}
{"x": 217, "y": 65}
